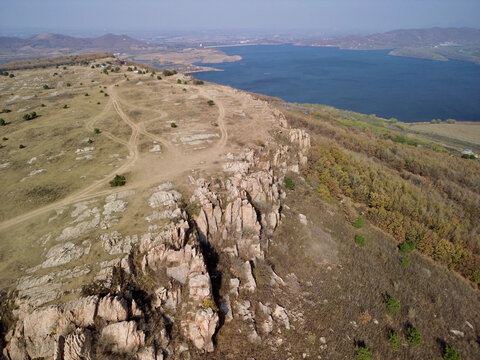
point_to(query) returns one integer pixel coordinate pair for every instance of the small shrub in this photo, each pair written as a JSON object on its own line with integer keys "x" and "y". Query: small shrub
{"x": 65, "y": 106}
{"x": 4, "y": 138}
{"x": 468, "y": 156}
{"x": 46, "y": 87}
{"x": 173, "y": 125}
{"x": 30, "y": 116}
{"x": 21, "y": 146}
{"x": 210, "y": 102}
{"x": 289, "y": 184}
{"x": 68, "y": 84}
{"x": 413, "y": 336}
{"x": 359, "y": 222}
{"x": 5, "y": 111}
{"x": 118, "y": 180}
{"x": 96, "y": 131}
{"x": 105, "y": 94}
{"x": 209, "y": 304}
{"x": 407, "y": 246}
{"x": 167, "y": 72}
{"x": 451, "y": 353}
{"x": 159, "y": 77}
{"x": 393, "y": 339}
{"x": 43, "y": 105}
{"x": 404, "y": 262}
{"x": 363, "y": 353}
{"x": 11, "y": 75}
{"x": 2, "y": 122}
{"x": 98, "y": 102}
{"x": 360, "y": 240}
{"x": 86, "y": 94}
{"x": 392, "y": 304}
{"x": 64, "y": 68}
{"x": 89, "y": 141}
{"x": 179, "y": 81}
{"x": 198, "y": 82}
{"x": 129, "y": 69}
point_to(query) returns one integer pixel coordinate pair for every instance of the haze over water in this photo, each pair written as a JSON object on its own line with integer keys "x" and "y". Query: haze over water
{"x": 370, "y": 82}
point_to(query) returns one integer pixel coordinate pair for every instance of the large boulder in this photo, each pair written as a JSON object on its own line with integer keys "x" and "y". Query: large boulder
{"x": 122, "y": 337}
{"x": 78, "y": 346}
{"x": 113, "y": 308}
{"x": 39, "y": 332}
{"x": 202, "y": 328}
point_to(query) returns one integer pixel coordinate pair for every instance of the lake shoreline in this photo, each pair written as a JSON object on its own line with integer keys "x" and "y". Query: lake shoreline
{"x": 367, "y": 81}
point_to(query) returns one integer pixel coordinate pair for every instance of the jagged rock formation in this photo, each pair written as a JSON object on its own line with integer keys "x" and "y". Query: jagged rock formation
{"x": 155, "y": 299}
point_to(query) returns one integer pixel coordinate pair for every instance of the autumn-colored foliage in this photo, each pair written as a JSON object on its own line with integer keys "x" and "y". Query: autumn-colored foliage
{"x": 425, "y": 198}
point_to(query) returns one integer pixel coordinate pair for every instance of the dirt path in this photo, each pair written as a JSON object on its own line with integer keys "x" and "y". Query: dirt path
{"x": 220, "y": 120}
{"x": 174, "y": 161}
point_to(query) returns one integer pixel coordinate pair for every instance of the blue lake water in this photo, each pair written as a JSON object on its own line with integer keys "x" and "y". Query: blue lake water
{"x": 370, "y": 82}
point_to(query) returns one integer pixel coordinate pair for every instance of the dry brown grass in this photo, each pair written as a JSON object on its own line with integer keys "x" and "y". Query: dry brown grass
{"x": 49, "y": 62}
{"x": 466, "y": 132}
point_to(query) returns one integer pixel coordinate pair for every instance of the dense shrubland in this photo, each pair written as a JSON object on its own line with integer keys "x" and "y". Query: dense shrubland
{"x": 426, "y": 199}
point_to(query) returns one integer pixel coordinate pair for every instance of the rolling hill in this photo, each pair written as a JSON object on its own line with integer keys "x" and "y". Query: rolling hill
{"x": 433, "y": 43}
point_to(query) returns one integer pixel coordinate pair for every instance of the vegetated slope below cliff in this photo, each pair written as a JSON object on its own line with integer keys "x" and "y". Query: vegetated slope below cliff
{"x": 417, "y": 192}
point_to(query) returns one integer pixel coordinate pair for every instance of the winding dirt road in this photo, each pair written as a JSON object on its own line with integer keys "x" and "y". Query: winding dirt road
{"x": 173, "y": 163}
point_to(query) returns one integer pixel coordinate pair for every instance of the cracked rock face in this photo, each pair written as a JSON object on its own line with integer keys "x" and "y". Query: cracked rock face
{"x": 165, "y": 273}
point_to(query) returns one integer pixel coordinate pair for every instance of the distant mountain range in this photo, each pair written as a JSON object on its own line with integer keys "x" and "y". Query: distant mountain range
{"x": 434, "y": 43}
{"x": 43, "y": 45}
{"x": 56, "y": 41}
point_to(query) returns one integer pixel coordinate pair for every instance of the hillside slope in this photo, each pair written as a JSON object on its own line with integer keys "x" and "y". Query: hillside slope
{"x": 235, "y": 232}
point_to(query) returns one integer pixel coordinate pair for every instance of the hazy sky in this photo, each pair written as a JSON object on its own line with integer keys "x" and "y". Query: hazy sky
{"x": 332, "y": 16}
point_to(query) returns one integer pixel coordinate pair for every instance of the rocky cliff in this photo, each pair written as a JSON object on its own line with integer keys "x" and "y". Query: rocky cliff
{"x": 165, "y": 293}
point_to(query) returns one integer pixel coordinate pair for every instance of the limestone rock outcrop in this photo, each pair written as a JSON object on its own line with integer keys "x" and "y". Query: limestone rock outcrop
{"x": 150, "y": 282}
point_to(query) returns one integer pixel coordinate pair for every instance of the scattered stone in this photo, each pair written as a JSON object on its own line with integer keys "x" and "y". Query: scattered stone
{"x": 303, "y": 219}
{"x": 280, "y": 315}
{"x": 458, "y": 333}
{"x": 84, "y": 150}
{"x": 155, "y": 149}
